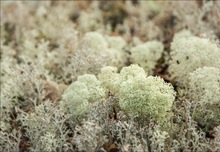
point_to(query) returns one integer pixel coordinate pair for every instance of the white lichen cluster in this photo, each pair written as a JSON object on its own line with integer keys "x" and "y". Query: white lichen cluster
{"x": 182, "y": 34}
{"x": 196, "y": 66}
{"x": 93, "y": 85}
{"x": 205, "y": 85}
{"x": 116, "y": 42}
{"x": 146, "y": 55}
{"x": 142, "y": 95}
{"x": 204, "y": 90}
{"x": 75, "y": 99}
{"x": 189, "y": 53}
{"x": 95, "y": 41}
{"x": 109, "y": 78}
{"x": 112, "y": 46}
{"x": 79, "y": 96}
{"x": 88, "y": 21}
{"x": 116, "y": 49}
{"x": 137, "y": 93}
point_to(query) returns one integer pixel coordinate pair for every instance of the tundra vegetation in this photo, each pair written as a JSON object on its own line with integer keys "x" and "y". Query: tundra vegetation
{"x": 104, "y": 76}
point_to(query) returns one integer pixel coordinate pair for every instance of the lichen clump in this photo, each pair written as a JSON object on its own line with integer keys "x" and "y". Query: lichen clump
{"x": 142, "y": 95}
{"x": 109, "y": 78}
{"x": 138, "y": 94}
{"x": 111, "y": 46}
{"x": 146, "y": 55}
{"x": 189, "y": 53}
{"x": 204, "y": 91}
{"x": 95, "y": 41}
{"x": 79, "y": 96}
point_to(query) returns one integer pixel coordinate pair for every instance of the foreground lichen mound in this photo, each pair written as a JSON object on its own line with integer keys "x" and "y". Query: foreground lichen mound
{"x": 138, "y": 94}
{"x": 142, "y": 95}
{"x": 79, "y": 96}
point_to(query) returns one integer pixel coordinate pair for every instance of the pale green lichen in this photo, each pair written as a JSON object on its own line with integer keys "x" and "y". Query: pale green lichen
{"x": 95, "y": 41}
{"x": 204, "y": 85}
{"x": 116, "y": 42}
{"x": 116, "y": 50}
{"x": 146, "y": 55}
{"x": 96, "y": 92}
{"x": 112, "y": 47}
{"x": 142, "y": 95}
{"x": 182, "y": 34}
{"x": 131, "y": 72}
{"x": 151, "y": 97}
{"x": 118, "y": 57}
{"x": 137, "y": 93}
{"x": 109, "y": 79}
{"x": 75, "y": 99}
{"x": 191, "y": 53}
{"x": 80, "y": 95}
{"x": 204, "y": 90}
